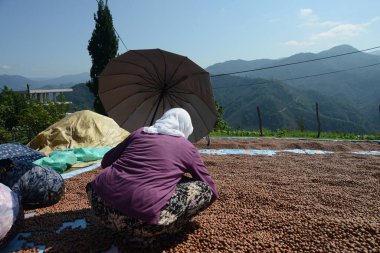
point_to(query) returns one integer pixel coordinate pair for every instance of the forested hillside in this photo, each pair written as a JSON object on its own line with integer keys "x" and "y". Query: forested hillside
{"x": 349, "y": 96}
{"x": 282, "y": 106}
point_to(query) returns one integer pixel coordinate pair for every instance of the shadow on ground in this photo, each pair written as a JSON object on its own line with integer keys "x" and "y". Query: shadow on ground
{"x": 80, "y": 231}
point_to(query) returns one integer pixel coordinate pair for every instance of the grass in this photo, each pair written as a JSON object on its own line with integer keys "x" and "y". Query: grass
{"x": 294, "y": 134}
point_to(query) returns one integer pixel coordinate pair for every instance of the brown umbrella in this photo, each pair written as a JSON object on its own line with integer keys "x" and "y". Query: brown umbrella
{"x": 137, "y": 87}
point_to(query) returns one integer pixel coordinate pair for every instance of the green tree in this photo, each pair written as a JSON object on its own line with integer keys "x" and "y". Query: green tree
{"x": 11, "y": 106}
{"x": 220, "y": 124}
{"x": 300, "y": 124}
{"x": 37, "y": 116}
{"x": 22, "y": 118}
{"x": 102, "y": 47}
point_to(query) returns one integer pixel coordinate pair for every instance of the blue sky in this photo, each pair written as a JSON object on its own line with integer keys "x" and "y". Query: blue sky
{"x": 48, "y": 38}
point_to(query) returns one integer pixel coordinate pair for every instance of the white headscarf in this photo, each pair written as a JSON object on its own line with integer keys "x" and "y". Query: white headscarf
{"x": 175, "y": 122}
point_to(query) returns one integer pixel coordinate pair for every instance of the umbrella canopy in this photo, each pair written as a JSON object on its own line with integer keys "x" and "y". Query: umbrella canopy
{"x": 137, "y": 87}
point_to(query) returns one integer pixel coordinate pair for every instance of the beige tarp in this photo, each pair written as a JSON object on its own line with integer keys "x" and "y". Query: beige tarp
{"x": 78, "y": 130}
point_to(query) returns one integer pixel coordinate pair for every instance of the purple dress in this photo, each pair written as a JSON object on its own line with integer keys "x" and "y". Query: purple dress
{"x": 141, "y": 173}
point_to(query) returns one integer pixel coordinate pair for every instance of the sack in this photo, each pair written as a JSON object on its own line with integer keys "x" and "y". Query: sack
{"x": 9, "y": 210}
{"x": 19, "y": 152}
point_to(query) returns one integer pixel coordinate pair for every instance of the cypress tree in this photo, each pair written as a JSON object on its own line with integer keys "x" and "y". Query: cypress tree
{"x": 102, "y": 47}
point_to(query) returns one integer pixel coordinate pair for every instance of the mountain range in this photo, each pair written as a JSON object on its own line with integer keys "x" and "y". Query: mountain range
{"x": 347, "y": 92}
{"x": 16, "y": 82}
{"x": 348, "y": 97}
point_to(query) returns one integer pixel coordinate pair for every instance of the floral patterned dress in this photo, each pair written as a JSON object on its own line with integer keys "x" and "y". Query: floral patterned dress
{"x": 189, "y": 199}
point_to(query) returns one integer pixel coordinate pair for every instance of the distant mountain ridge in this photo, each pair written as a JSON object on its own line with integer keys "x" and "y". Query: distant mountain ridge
{"x": 353, "y": 96}
{"x": 376, "y": 52}
{"x": 348, "y": 100}
{"x": 17, "y": 82}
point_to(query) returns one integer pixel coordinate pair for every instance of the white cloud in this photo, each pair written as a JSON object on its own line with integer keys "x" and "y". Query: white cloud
{"x": 339, "y": 31}
{"x": 5, "y": 67}
{"x": 335, "y": 30}
{"x": 298, "y": 43}
{"x": 305, "y": 12}
{"x": 373, "y": 20}
{"x": 326, "y": 23}
{"x": 311, "y": 20}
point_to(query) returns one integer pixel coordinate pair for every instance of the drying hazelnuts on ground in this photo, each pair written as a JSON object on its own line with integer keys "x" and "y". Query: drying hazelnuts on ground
{"x": 282, "y": 203}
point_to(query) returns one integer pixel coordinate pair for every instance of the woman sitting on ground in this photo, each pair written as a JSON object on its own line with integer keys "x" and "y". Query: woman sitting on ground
{"x": 142, "y": 190}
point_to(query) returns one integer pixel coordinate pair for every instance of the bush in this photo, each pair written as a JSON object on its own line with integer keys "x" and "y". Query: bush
{"x": 22, "y": 118}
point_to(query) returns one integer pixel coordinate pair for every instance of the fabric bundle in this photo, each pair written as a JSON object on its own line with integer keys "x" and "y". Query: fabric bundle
{"x": 9, "y": 211}
{"x": 36, "y": 186}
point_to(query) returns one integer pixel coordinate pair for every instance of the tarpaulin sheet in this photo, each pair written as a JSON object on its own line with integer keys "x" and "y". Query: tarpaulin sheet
{"x": 61, "y": 160}
{"x": 77, "y": 130}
